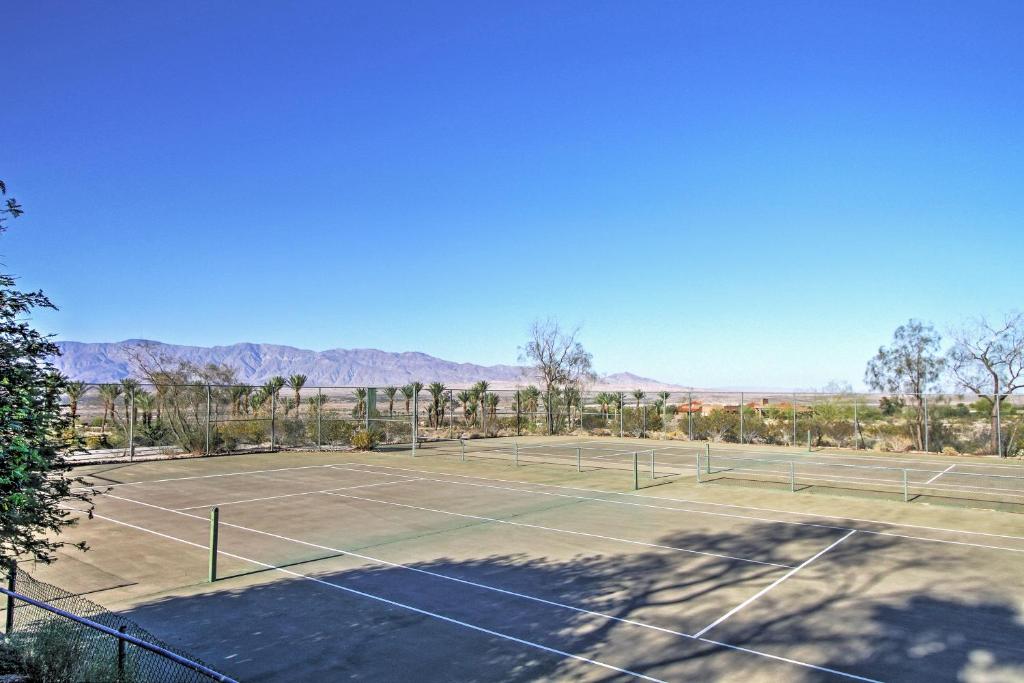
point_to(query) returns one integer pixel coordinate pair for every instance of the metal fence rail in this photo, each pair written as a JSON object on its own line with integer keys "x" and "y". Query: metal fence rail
{"x": 87, "y": 642}
{"x": 131, "y": 419}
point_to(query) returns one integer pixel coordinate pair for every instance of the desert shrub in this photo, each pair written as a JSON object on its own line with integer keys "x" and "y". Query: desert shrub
{"x": 291, "y": 432}
{"x": 949, "y": 450}
{"x": 96, "y": 441}
{"x": 235, "y": 433}
{"x": 337, "y": 431}
{"x": 60, "y": 652}
{"x": 364, "y": 440}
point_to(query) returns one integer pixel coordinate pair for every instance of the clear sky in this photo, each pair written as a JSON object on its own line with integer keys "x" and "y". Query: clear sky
{"x": 720, "y": 193}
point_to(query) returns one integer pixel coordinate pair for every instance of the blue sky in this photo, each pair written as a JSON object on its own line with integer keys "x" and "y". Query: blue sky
{"x": 720, "y": 193}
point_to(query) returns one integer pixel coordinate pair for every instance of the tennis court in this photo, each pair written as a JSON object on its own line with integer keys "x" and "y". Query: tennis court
{"x": 385, "y": 566}
{"x": 959, "y": 481}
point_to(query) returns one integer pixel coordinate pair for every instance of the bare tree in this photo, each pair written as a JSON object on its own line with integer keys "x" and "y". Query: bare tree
{"x": 559, "y": 359}
{"x": 988, "y": 359}
{"x": 910, "y": 366}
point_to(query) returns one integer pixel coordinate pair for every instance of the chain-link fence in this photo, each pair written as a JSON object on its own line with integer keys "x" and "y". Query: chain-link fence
{"x": 60, "y": 636}
{"x": 133, "y": 420}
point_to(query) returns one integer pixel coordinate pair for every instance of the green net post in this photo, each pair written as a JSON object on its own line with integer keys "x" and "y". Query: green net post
{"x": 808, "y": 440}
{"x": 636, "y": 473}
{"x": 708, "y": 463}
{"x": 462, "y": 442}
{"x": 12, "y": 585}
{"x": 121, "y": 652}
{"x": 906, "y": 488}
{"x": 652, "y": 464}
{"x": 792, "y": 477}
{"x": 516, "y": 446}
{"x": 698, "y": 468}
{"x": 214, "y": 539}
{"x": 621, "y": 413}
{"x": 579, "y": 456}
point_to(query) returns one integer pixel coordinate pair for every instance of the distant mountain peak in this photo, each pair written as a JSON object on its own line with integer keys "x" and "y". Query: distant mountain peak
{"x": 255, "y": 363}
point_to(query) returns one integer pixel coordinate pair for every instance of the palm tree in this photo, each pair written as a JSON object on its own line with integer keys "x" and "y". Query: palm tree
{"x": 492, "y": 402}
{"x": 289, "y": 403}
{"x": 390, "y": 393}
{"x": 572, "y": 400}
{"x": 360, "y": 396}
{"x": 144, "y": 402}
{"x": 464, "y": 398}
{"x": 295, "y": 383}
{"x": 638, "y": 394}
{"x": 664, "y": 396}
{"x": 75, "y": 391}
{"x": 437, "y": 390}
{"x": 407, "y": 392}
{"x": 276, "y": 383}
{"x": 109, "y": 393}
{"x": 256, "y": 401}
{"x": 128, "y": 387}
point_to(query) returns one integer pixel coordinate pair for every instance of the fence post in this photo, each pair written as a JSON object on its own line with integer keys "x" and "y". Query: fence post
{"x": 451, "y": 413}
{"x": 518, "y": 414}
{"x": 12, "y": 585}
{"x": 207, "y": 419}
{"x": 906, "y": 488}
{"x": 856, "y": 426}
{"x": 689, "y": 415}
{"x": 808, "y": 440}
{"x": 924, "y": 400}
{"x": 462, "y": 443}
{"x": 792, "y": 477}
{"x": 636, "y": 473}
{"x": 214, "y": 539}
{"x": 708, "y": 447}
{"x": 415, "y": 421}
{"x": 622, "y": 408}
{"x": 794, "y": 418}
{"x": 741, "y": 417}
{"x": 579, "y": 454}
{"x": 319, "y": 416}
{"x": 652, "y": 465}
{"x": 643, "y": 426}
{"x": 121, "y": 652}
{"x": 999, "y": 425}
{"x": 131, "y": 424}
{"x": 273, "y": 421}
{"x": 698, "y": 468}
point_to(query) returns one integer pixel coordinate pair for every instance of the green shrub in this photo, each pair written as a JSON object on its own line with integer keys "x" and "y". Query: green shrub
{"x": 363, "y": 440}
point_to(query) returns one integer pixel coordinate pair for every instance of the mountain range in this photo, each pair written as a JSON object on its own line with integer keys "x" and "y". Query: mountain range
{"x": 256, "y": 363}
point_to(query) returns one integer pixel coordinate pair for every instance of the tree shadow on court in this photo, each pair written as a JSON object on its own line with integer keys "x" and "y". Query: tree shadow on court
{"x": 849, "y": 610}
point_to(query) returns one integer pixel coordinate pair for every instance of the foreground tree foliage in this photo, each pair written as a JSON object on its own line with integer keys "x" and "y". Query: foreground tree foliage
{"x": 34, "y": 483}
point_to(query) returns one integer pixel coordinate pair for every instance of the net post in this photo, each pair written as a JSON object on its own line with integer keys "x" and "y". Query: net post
{"x": 518, "y": 413}
{"x": 319, "y": 416}
{"x": 579, "y": 453}
{"x": 636, "y": 473}
{"x": 516, "y": 446}
{"x": 643, "y": 428}
{"x": 741, "y": 417}
{"x": 794, "y": 419}
{"x": 999, "y": 424}
{"x": 121, "y": 652}
{"x": 12, "y": 585}
{"x": 708, "y": 447}
{"x": 808, "y": 440}
{"x": 698, "y": 469}
{"x": 906, "y": 488}
{"x": 792, "y": 477}
{"x": 451, "y": 413}
{"x": 207, "y": 419}
{"x": 462, "y": 442}
{"x": 689, "y": 416}
{"x": 924, "y": 401}
{"x": 214, "y": 540}
{"x": 652, "y": 464}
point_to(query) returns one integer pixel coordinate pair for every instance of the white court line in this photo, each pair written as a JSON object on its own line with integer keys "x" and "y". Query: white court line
{"x": 302, "y": 493}
{"x": 775, "y": 583}
{"x": 393, "y": 603}
{"x": 201, "y": 476}
{"x": 524, "y": 596}
{"x": 554, "y": 529}
{"x": 721, "y": 514}
{"x": 940, "y": 474}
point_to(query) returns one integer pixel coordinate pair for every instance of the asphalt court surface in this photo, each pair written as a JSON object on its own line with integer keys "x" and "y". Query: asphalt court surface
{"x": 377, "y": 566}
